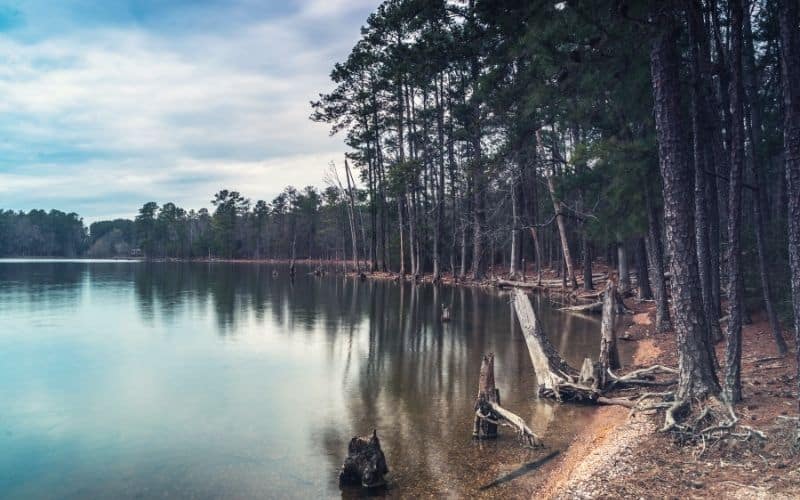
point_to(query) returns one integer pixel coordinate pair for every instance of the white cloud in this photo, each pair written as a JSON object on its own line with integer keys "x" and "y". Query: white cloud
{"x": 138, "y": 112}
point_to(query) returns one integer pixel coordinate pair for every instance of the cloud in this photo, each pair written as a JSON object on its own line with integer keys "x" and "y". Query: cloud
{"x": 101, "y": 120}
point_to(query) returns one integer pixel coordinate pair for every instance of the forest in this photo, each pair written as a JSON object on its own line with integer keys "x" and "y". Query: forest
{"x": 506, "y": 137}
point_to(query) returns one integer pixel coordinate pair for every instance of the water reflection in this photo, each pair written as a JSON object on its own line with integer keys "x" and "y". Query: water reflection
{"x": 224, "y": 379}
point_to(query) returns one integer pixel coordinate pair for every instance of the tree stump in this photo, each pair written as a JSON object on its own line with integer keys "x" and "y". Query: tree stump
{"x": 365, "y": 463}
{"x": 487, "y": 394}
{"x": 445, "y": 313}
{"x": 609, "y": 355}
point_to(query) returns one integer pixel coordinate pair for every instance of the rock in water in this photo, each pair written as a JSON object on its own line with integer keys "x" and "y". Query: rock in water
{"x": 365, "y": 463}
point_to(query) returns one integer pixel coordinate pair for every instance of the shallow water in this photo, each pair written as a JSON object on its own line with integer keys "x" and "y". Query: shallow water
{"x": 133, "y": 379}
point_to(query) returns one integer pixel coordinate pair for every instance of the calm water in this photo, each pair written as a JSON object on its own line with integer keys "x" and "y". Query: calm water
{"x": 131, "y": 379}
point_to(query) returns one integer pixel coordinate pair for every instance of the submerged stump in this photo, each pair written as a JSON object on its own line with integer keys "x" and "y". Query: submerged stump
{"x": 489, "y": 414}
{"x": 487, "y": 394}
{"x": 365, "y": 464}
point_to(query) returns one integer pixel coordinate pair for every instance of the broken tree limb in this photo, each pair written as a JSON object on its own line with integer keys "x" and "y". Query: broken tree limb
{"x": 488, "y": 412}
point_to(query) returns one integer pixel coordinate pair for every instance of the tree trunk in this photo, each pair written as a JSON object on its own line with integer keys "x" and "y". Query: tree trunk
{"x": 562, "y": 232}
{"x": 438, "y": 226}
{"x": 609, "y": 355}
{"x": 697, "y": 378}
{"x": 351, "y": 208}
{"x": 412, "y": 236}
{"x": 588, "y": 285}
{"x": 733, "y": 350}
{"x": 487, "y": 393}
{"x": 656, "y": 259}
{"x": 790, "y": 72}
{"x": 402, "y": 239}
{"x": 538, "y": 250}
{"x": 699, "y": 107}
{"x": 645, "y": 292}
{"x": 622, "y": 268}
{"x": 753, "y": 125}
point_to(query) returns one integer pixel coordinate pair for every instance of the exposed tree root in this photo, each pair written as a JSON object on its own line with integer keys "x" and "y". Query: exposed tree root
{"x": 702, "y": 422}
{"x": 707, "y": 421}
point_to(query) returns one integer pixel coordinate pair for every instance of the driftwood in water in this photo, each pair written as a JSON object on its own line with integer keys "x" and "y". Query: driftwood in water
{"x": 365, "y": 463}
{"x": 555, "y": 376}
{"x": 557, "y": 379}
{"x": 488, "y": 412}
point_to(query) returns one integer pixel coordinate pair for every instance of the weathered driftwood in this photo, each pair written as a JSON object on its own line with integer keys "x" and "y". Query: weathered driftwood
{"x": 365, "y": 463}
{"x": 553, "y": 284}
{"x": 594, "y": 307}
{"x": 555, "y": 376}
{"x": 518, "y": 284}
{"x": 558, "y": 380}
{"x": 488, "y": 412}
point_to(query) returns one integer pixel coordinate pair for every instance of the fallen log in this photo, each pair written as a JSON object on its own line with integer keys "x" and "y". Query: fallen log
{"x": 556, "y": 378}
{"x": 488, "y": 412}
{"x": 595, "y": 307}
{"x": 518, "y": 284}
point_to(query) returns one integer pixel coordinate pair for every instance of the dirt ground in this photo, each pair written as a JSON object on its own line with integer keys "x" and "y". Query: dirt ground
{"x": 622, "y": 455}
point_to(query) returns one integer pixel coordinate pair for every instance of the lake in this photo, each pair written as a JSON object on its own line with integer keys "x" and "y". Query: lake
{"x": 135, "y": 379}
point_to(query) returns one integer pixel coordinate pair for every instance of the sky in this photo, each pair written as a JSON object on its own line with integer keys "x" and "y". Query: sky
{"x": 108, "y": 104}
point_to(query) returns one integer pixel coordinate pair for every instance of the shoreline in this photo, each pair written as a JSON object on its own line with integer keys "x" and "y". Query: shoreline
{"x": 623, "y": 455}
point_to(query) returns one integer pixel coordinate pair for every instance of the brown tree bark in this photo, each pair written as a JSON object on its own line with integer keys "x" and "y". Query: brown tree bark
{"x": 697, "y": 378}
{"x": 487, "y": 393}
{"x": 702, "y": 165}
{"x": 609, "y": 355}
{"x": 645, "y": 291}
{"x": 656, "y": 258}
{"x": 790, "y": 72}
{"x": 733, "y": 349}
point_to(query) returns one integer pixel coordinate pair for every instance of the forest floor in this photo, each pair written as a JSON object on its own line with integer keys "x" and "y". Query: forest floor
{"x": 622, "y": 455}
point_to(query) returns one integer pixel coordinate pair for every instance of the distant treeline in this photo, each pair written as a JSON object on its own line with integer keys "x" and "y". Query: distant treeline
{"x": 307, "y": 223}
{"x": 41, "y": 234}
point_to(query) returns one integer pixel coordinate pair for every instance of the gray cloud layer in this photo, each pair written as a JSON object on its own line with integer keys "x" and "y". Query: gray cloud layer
{"x": 100, "y": 120}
